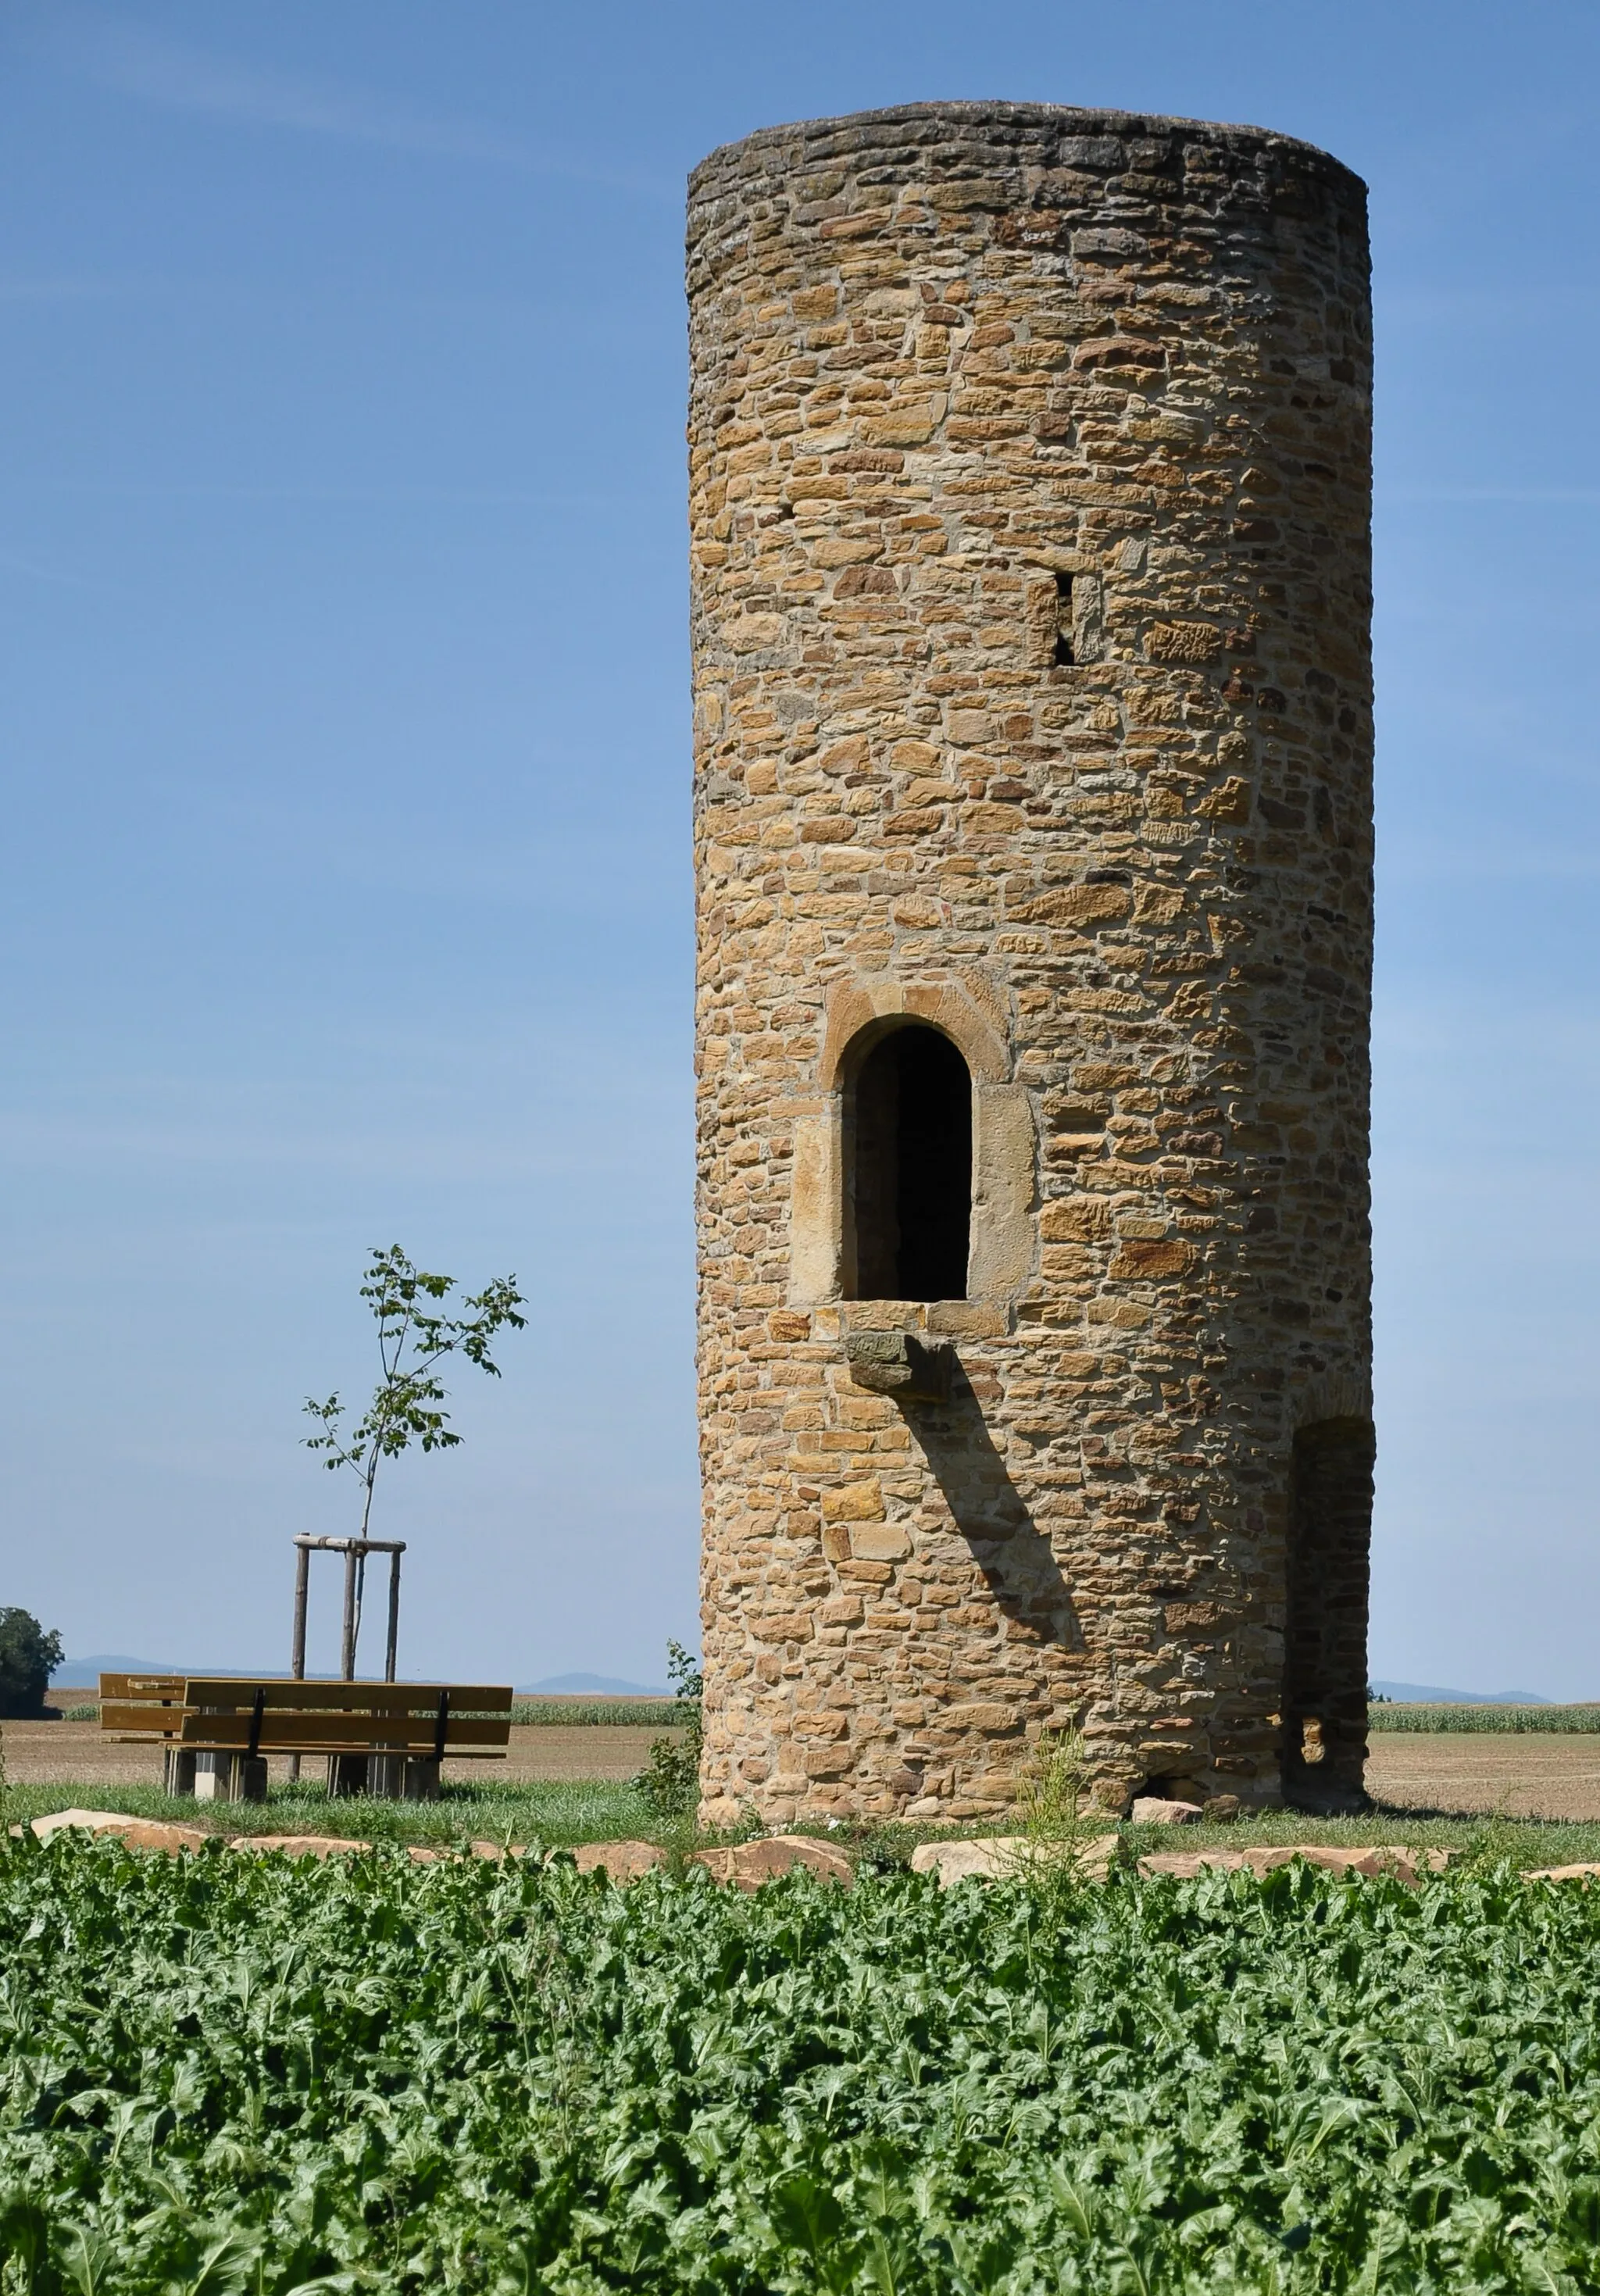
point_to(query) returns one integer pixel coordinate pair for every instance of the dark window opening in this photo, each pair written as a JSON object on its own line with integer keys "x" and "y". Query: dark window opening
{"x": 1065, "y": 655}
{"x": 911, "y": 1129}
{"x": 1325, "y": 1654}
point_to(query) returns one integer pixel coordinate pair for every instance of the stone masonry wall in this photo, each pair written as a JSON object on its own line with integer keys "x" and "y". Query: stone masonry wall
{"x": 975, "y": 386}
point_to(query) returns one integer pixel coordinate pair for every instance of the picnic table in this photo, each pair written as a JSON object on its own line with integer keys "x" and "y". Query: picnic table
{"x": 378, "y": 1737}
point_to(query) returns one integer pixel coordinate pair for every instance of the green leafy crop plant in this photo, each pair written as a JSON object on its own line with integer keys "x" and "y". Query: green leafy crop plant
{"x": 1483, "y": 1721}
{"x": 220, "y": 2074}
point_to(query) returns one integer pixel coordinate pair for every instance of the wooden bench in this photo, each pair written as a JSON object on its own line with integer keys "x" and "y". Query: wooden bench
{"x": 378, "y": 1737}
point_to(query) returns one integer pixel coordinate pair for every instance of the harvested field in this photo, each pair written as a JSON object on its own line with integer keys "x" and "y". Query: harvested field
{"x": 1519, "y": 1776}
{"x": 58, "y": 1753}
{"x": 1469, "y": 1776}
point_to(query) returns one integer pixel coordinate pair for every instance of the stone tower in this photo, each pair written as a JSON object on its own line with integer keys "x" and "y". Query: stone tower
{"x": 1031, "y": 595}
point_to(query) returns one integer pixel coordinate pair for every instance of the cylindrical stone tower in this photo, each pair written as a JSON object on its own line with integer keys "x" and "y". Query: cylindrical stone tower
{"x": 1031, "y": 595}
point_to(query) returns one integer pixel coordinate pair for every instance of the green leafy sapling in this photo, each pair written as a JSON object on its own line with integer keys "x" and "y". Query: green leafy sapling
{"x": 671, "y": 1784}
{"x": 413, "y": 1339}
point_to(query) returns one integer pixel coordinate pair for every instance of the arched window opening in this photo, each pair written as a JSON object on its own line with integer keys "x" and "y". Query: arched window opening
{"x": 909, "y": 1124}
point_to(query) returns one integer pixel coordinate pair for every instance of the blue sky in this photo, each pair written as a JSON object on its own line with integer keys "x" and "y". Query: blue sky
{"x": 342, "y": 714}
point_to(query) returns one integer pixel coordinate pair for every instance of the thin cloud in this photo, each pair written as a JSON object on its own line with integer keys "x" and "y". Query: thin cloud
{"x": 183, "y": 79}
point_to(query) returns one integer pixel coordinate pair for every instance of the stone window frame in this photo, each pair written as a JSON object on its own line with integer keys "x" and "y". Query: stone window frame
{"x": 1003, "y": 1246}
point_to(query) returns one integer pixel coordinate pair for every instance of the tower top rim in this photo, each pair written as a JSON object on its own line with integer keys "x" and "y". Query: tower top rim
{"x": 1000, "y": 111}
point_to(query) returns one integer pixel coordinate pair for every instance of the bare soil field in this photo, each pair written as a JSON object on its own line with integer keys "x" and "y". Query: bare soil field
{"x": 60, "y": 1754}
{"x": 1526, "y": 1776}
{"x": 1473, "y": 1776}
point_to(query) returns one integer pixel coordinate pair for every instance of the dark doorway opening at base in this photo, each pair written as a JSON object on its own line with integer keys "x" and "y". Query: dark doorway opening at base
{"x": 911, "y": 1132}
{"x": 1325, "y": 1654}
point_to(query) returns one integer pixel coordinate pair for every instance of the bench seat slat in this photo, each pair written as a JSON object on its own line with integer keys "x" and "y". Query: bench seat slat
{"x": 298, "y": 1733}
{"x": 309, "y": 1733}
{"x": 411, "y": 1753}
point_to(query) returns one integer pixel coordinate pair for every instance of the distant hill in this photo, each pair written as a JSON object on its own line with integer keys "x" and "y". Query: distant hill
{"x": 588, "y": 1685}
{"x": 84, "y": 1673}
{"x": 1420, "y": 1694}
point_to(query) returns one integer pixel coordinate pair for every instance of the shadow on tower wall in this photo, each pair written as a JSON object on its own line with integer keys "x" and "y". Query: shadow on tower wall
{"x": 1016, "y": 1556}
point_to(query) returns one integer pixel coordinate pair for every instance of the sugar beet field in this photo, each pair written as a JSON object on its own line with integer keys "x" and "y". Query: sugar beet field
{"x": 227, "y": 2074}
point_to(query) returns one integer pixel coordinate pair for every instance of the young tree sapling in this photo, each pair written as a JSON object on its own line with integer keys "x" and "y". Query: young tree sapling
{"x": 413, "y": 1339}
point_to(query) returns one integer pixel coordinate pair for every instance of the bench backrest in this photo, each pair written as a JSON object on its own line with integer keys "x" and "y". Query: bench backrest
{"x": 247, "y": 1715}
{"x": 148, "y": 1689}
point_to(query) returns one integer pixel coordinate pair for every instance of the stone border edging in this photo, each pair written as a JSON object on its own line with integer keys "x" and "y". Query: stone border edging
{"x": 747, "y": 1865}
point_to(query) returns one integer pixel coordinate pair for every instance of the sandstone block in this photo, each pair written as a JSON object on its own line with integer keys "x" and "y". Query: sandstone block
{"x": 134, "y": 1833}
{"x": 987, "y": 1719}
{"x": 1157, "y": 905}
{"x": 749, "y": 1864}
{"x": 155, "y": 1835}
{"x": 783, "y": 1627}
{"x": 1137, "y": 1257}
{"x": 84, "y": 1821}
{"x": 1188, "y": 1865}
{"x": 1155, "y": 1809}
{"x": 755, "y": 633}
{"x": 879, "y": 1542}
{"x": 1183, "y": 642}
{"x": 1230, "y": 802}
{"x": 908, "y": 426}
{"x": 1073, "y": 905}
{"x": 1075, "y": 1220}
{"x": 842, "y": 1611}
{"x": 1010, "y": 1857}
{"x": 1180, "y": 1618}
{"x": 898, "y": 1365}
{"x": 619, "y": 1861}
{"x": 854, "y": 1502}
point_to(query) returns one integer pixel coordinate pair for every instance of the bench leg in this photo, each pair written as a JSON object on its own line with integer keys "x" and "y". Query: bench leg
{"x": 178, "y": 1770}
{"x": 214, "y": 1777}
{"x": 229, "y": 1777}
{"x": 421, "y": 1781}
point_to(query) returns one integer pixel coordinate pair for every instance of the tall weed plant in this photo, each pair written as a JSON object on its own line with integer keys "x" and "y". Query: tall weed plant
{"x": 1055, "y": 1818}
{"x": 671, "y": 1783}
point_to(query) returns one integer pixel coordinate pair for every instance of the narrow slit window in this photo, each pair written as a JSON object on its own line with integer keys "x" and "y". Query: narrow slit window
{"x": 911, "y": 1168}
{"x": 1065, "y": 655}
